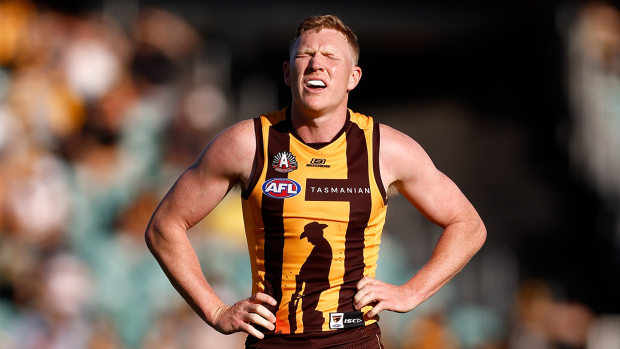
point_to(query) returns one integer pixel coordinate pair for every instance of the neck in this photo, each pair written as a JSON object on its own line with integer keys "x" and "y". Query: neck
{"x": 320, "y": 127}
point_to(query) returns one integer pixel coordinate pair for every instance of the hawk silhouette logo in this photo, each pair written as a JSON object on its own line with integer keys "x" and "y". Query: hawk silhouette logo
{"x": 336, "y": 320}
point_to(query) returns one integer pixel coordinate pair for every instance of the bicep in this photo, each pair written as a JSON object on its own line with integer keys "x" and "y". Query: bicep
{"x": 223, "y": 163}
{"x": 193, "y": 196}
{"x": 436, "y": 197}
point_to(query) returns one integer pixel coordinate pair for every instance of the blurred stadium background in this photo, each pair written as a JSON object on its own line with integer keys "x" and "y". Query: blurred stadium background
{"x": 104, "y": 103}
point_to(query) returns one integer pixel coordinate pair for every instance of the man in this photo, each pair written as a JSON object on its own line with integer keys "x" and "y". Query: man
{"x": 314, "y": 179}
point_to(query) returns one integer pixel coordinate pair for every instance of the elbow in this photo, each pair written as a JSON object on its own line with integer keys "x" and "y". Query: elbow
{"x": 160, "y": 236}
{"x": 480, "y": 234}
{"x": 151, "y": 238}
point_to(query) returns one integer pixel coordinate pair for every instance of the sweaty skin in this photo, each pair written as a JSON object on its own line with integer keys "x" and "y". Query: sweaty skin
{"x": 317, "y": 114}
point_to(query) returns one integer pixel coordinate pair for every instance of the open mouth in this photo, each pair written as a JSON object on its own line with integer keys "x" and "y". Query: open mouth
{"x": 315, "y": 85}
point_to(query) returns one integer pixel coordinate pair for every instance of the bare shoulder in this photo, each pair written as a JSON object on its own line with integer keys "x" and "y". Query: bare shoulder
{"x": 240, "y": 134}
{"x": 394, "y": 140}
{"x": 401, "y": 157}
{"x": 231, "y": 152}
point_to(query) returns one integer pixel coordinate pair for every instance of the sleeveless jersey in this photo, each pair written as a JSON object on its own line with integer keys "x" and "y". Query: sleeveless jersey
{"x": 313, "y": 217}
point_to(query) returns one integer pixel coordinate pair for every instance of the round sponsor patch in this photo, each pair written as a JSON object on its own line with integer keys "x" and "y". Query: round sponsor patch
{"x": 284, "y": 162}
{"x": 281, "y": 188}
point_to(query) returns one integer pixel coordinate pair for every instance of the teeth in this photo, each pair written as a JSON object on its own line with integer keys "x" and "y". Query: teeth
{"x": 316, "y": 83}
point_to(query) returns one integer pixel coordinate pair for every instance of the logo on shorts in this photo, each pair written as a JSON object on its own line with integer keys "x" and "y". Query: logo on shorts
{"x": 281, "y": 188}
{"x": 315, "y": 162}
{"x": 334, "y": 320}
{"x": 284, "y": 162}
{"x": 348, "y": 319}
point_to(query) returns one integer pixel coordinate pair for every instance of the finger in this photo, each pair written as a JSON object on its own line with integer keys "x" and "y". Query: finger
{"x": 259, "y": 320}
{"x": 365, "y": 281}
{"x": 264, "y": 312}
{"x": 369, "y": 297}
{"x": 249, "y": 329}
{"x": 375, "y": 310}
{"x": 362, "y": 292}
{"x": 260, "y": 297}
{"x": 371, "y": 304}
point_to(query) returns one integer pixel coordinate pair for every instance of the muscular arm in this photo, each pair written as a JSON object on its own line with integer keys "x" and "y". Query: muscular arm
{"x": 440, "y": 201}
{"x": 222, "y": 164}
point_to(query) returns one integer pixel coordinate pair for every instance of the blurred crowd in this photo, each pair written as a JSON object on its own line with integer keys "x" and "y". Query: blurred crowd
{"x": 99, "y": 114}
{"x": 593, "y": 42}
{"x": 97, "y": 120}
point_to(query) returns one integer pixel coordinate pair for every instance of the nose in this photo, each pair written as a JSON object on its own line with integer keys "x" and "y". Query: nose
{"x": 316, "y": 63}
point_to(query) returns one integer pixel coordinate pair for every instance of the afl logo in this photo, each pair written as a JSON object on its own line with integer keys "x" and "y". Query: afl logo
{"x": 281, "y": 188}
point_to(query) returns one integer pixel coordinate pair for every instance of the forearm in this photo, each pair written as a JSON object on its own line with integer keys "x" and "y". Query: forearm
{"x": 179, "y": 261}
{"x": 457, "y": 245}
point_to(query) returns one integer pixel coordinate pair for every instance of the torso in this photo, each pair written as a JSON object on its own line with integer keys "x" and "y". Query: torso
{"x": 314, "y": 215}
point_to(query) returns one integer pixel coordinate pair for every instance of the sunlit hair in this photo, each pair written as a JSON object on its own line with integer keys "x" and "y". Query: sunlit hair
{"x": 316, "y": 23}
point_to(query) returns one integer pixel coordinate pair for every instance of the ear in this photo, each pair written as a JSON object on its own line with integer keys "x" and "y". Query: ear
{"x": 354, "y": 79}
{"x": 287, "y": 73}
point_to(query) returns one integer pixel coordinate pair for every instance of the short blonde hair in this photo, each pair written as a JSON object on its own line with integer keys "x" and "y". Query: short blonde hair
{"x": 316, "y": 23}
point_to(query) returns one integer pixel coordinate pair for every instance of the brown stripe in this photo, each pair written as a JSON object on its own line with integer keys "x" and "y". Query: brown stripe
{"x": 376, "y": 140}
{"x": 272, "y": 210}
{"x": 357, "y": 172}
{"x": 259, "y": 161}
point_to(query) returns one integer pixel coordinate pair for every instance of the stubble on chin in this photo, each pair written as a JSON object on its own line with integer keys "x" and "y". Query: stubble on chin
{"x": 310, "y": 107}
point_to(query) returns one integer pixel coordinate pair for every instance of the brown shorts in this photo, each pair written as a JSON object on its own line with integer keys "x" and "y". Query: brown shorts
{"x": 356, "y": 338}
{"x": 372, "y": 341}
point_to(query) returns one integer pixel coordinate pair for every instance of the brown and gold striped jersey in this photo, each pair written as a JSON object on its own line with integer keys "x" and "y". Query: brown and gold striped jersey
{"x": 313, "y": 218}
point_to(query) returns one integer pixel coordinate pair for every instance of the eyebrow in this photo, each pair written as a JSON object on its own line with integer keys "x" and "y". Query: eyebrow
{"x": 324, "y": 51}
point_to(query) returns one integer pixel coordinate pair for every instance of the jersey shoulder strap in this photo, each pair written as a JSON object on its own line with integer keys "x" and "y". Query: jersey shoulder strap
{"x": 261, "y": 127}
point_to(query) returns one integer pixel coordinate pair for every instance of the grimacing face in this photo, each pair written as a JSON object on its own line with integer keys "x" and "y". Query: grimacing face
{"x": 321, "y": 71}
